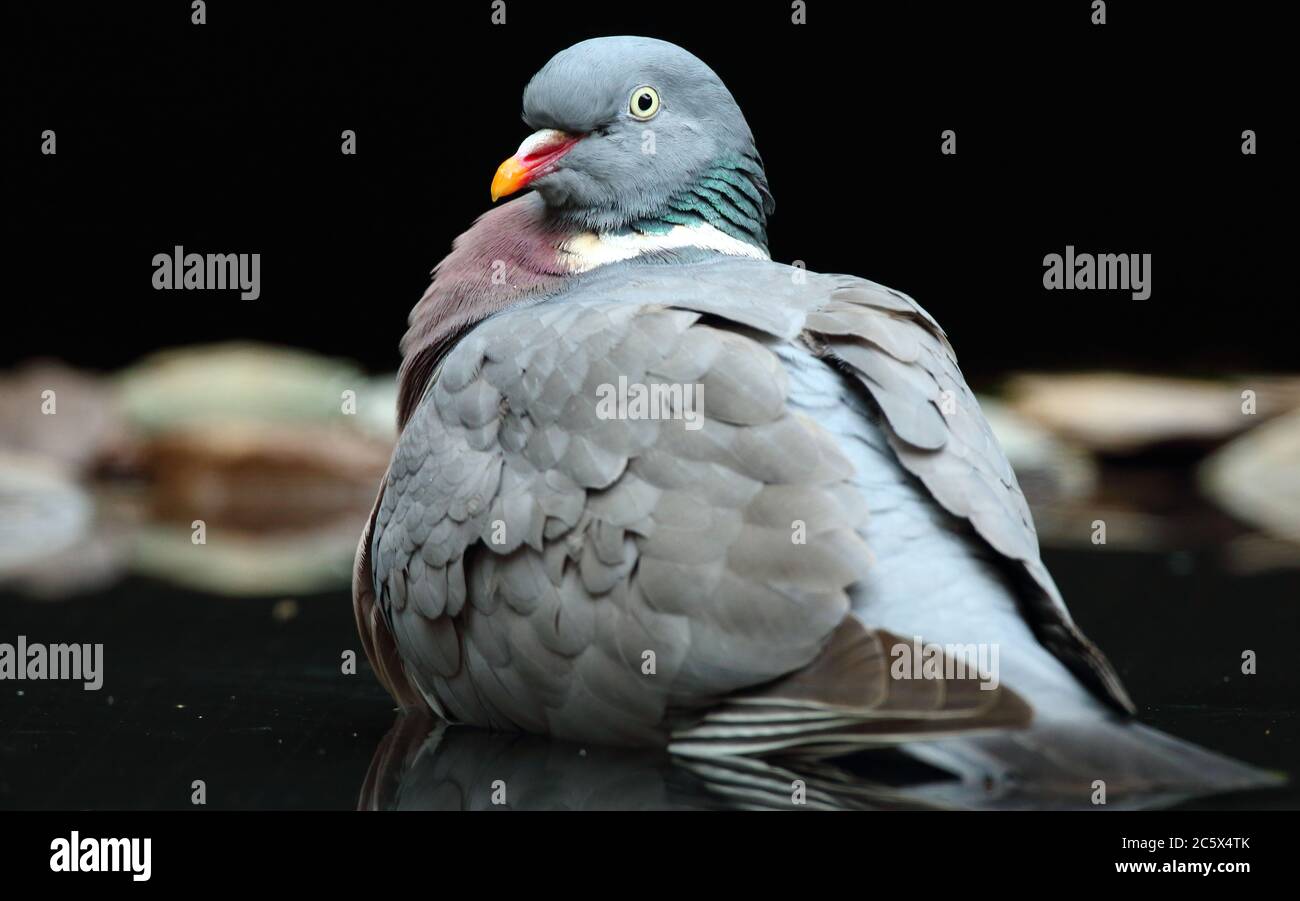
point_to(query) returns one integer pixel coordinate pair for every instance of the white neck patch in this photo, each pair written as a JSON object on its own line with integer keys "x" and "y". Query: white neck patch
{"x": 586, "y": 251}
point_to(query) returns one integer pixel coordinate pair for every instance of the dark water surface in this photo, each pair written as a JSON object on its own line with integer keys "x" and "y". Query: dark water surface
{"x": 256, "y": 706}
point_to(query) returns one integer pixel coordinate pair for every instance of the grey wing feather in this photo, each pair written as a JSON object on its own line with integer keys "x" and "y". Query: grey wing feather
{"x": 965, "y": 468}
{"x": 904, "y": 361}
{"x": 525, "y": 577}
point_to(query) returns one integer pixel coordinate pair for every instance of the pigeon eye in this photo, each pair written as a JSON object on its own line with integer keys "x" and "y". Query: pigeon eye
{"x": 644, "y": 103}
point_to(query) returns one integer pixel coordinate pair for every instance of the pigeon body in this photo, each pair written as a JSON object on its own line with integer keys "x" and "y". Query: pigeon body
{"x": 746, "y": 586}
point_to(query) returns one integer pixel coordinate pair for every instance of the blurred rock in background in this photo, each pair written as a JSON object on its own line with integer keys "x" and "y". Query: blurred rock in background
{"x": 1257, "y": 479}
{"x": 236, "y": 468}
{"x": 1136, "y": 442}
{"x": 1120, "y": 413}
{"x": 60, "y": 414}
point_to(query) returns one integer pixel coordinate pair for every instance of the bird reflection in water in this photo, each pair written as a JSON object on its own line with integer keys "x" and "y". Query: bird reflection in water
{"x": 426, "y": 764}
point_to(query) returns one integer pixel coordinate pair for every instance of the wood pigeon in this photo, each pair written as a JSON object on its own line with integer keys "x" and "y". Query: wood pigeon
{"x": 653, "y": 488}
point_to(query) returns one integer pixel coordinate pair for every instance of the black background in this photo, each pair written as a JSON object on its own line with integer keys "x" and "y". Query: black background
{"x": 226, "y": 138}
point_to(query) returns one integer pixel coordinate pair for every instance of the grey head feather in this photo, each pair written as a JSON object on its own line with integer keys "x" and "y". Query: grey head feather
{"x": 628, "y": 172}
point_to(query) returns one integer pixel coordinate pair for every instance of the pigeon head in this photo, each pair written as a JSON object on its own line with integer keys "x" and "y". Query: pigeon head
{"x": 640, "y": 151}
{"x": 638, "y": 134}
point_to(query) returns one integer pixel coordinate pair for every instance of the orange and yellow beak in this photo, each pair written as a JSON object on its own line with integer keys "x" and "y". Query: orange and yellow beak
{"x": 531, "y": 161}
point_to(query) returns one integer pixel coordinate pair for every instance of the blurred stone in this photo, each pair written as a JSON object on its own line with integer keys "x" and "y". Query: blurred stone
{"x": 1072, "y": 526}
{"x": 255, "y": 382}
{"x": 261, "y": 476}
{"x": 52, "y": 543}
{"x": 256, "y": 438}
{"x": 1257, "y": 478}
{"x": 277, "y": 451}
{"x": 239, "y": 563}
{"x": 42, "y": 510}
{"x": 1120, "y": 413}
{"x": 84, "y": 428}
{"x": 56, "y": 540}
{"x": 1253, "y": 554}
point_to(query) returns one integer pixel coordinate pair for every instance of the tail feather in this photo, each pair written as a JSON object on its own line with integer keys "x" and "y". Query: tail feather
{"x": 846, "y": 700}
{"x": 1087, "y": 764}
